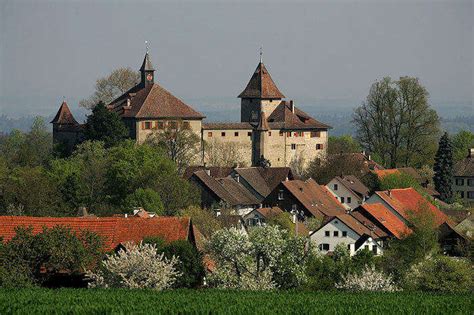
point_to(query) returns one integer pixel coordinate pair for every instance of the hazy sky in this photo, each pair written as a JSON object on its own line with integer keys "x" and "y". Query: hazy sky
{"x": 325, "y": 50}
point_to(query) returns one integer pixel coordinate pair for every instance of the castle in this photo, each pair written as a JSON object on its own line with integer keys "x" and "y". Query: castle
{"x": 271, "y": 129}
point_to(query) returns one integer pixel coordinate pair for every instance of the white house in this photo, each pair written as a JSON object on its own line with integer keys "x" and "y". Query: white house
{"x": 349, "y": 190}
{"x": 346, "y": 229}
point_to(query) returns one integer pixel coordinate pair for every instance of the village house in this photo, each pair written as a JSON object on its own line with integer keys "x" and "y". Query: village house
{"x": 407, "y": 203}
{"x": 306, "y": 198}
{"x": 348, "y": 230}
{"x": 349, "y": 190}
{"x": 259, "y": 216}
{"x": 271, "y": 128}
{"x": 463, "y": 183}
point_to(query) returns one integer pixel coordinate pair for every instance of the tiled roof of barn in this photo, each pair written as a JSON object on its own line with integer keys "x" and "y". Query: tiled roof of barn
{"x": 387, "y": 219}
{"x": 113, "y": 230}
{"x": 264, "y": 180}
{"x": 314, "y": 197}
{"x": 215, "y": 171}
{"x": 64, "y": 116}
{"x": 354, "y": 184}
{"x": 261, "y": 85}
{"x": 283, "y": 118}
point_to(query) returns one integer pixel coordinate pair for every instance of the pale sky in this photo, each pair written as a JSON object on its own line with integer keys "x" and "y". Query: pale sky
{"x": 207, "y": 51}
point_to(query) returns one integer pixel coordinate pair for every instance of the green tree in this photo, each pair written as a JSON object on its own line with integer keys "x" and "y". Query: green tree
{"x": 322, "y": 171}
{"x": 343, "y": 144}
{"x": 401, "y": 180}
{"x": 283, "y": 220}
{"x": 397, "y": 123}
{"x": 105, "y": 125}
{"x": 462, "y": 142}
{"x": 146, "y": 198}
{"x": 204, "y": 219}
{"x": 111, "y": 86}
{"x": 443, "y": 169}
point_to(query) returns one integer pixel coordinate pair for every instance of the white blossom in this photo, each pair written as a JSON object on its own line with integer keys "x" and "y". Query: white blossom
{"x": 369, "y": 280}
{"x": 139, "y": 266}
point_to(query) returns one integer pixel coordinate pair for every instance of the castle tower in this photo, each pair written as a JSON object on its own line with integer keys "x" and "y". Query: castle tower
{"x": 66, "y": 130}
{"x": 147, "y": 71}
{"x": 260, "y": 95}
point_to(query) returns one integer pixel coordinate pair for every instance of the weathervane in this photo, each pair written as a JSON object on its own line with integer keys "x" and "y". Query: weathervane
{"x": 261, "y": 53}
{"x": 146, "y": 46}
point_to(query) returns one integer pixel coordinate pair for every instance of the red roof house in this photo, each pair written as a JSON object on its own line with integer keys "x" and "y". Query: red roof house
{"x": 113, "y": 230}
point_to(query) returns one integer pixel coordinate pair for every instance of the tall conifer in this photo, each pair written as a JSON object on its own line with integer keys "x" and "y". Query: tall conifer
{"x": 443, "y": 169}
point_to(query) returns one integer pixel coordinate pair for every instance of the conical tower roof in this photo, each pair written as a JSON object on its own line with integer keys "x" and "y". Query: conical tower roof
{"x": 147, "y": 65}
{"x": 64, "y": 116}
{"x": 261, "y": 85}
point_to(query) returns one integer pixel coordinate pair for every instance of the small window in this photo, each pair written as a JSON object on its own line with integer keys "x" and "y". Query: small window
{"x": 288, "y": 134}
{"x": 223, "y": 134}
{"x": 209, "y": 134}
{"x": 236, "y": 134}
{"x": 470, "y": 182}
{"x": 293, "y": 146}
{"x": 461, "y": 193}
{"x": 336, "y": 186}
{"x": 374, "y": 249}
{"x": 148, "y": 125}
{"x": 459, "y": 181}
{"x": 344, "y": 233}
{"x": 336, "y": 233}
{"x": 342, "y": 200}
{"x": 294, "y": 207}
{"x": 319, "y": 146}
{"x": 296, "y": 134}
{"x": 269, "y": 133}
{"x": 366, "y": 247}
{"x": 249, "y": 133}
{"x": 281, "y": 133}
{"x": 470, "y": 194}
{"x": 280, "y": 195}
{"x": 161, "y": 125}
{"x": 186, "y": 125}
{"x": 324, "y": 247}
{"x": 349, "y": 199}
{"x": 327, "y": 233}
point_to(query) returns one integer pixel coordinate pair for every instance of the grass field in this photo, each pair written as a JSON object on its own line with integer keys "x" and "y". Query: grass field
{"x": 83, "y": 301}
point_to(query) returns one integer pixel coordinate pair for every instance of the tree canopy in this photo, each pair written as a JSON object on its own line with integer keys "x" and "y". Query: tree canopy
{"x": 397, "y": 124}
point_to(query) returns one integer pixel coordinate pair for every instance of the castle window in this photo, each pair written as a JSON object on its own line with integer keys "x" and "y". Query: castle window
{"x": 319, "y": 146}
{"x": 209, "y": 134}
{"x": 223, "y": 134}
{"x": 160, "y": 125}
{"x": 288, "y": 134}
{"x": 249, "y": 133}
{"x": 269, "y": 133}
{"x": 236, "y": 134}
{"x": 293, "y": 146}
{"x": 315, "y": 134}
{"x": 186, "y": 125}
{"x": 147, "y": 125}
{"x": 281, "y": 133}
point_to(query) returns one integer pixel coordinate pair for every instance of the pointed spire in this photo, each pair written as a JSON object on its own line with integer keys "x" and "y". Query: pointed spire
{"x": 64, "y": 116}
{"x": 261, "y": 84}
{"x": 146, "y": 64}
{"x": 261, "y": 54}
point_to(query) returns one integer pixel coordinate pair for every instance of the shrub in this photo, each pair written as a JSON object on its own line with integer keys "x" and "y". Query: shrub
{"x": 369, "y": 280}
{"x": 190, "y": 264}
{"x": 146, "y": 198}
{"x": 441, "y": 273}
{"x": 138, "y": 267}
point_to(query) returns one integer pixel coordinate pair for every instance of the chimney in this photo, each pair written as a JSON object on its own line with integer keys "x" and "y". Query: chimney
{"x": 369, "y": 157}
{"x": 292, "y": 107}
{"x": 237, "y": 178}
{"x": 389, "y": 193}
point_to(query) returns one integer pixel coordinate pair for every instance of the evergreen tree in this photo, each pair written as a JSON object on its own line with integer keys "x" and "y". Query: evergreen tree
{"x": 443, "y": 169}
{"x": 104, "y": 125}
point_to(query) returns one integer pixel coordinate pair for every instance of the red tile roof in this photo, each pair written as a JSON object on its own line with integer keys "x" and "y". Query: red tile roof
{"x": 382, "y": 173}
{"x": 284, "y": 118}
{"x": 269, "y": 212}
{"x": 314, "y": 197}
{"x": 152, "y": 101}
{"x": 261, "y": 85}
{"x": 387, "y": 219}
{"x": 64, "y": 116}
{"x": 114, "y": 230}
{"x": 407, "y": 200}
